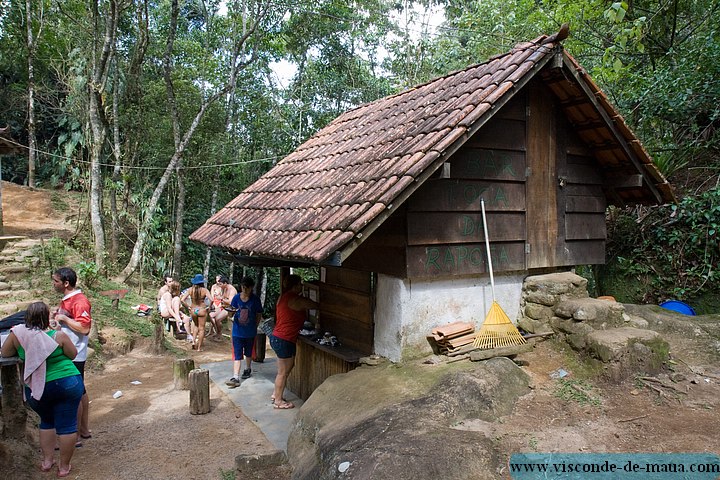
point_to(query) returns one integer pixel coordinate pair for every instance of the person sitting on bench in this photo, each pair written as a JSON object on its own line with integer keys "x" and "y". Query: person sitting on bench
{"x": 169, "y": 307}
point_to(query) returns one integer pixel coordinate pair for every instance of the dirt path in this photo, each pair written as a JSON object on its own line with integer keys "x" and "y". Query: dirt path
{"x": 149, "y": 433}
{"x": 37, "y": 212}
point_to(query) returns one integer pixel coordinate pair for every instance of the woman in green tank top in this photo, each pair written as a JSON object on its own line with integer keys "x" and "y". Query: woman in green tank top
{"x": 63, "y": 387}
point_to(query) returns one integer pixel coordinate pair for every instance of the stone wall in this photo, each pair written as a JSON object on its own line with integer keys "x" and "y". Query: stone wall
{"x": 599, "y": 329}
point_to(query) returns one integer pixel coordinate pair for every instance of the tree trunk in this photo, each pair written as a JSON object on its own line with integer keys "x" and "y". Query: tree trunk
{"x": 179, "y": 220}
{"x": 158, "y": 345}
{"x": 114, "y": 220}
{"x": 262, "y": 284}
{"x": 213, "y": 209}
{"x": 14, "y": 413}
{"x": 32, "y": 140}
{"x": 102, "y": 53}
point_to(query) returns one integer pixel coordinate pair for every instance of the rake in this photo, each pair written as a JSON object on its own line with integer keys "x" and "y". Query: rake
{"x": 497, "y": 330}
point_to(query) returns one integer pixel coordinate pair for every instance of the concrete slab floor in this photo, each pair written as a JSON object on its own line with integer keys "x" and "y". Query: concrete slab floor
{"x": 253, "y": 398}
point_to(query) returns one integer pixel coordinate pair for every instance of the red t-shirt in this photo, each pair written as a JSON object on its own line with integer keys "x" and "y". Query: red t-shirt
{"x": 288, "y": 322}
{"x": 76, "y": 306}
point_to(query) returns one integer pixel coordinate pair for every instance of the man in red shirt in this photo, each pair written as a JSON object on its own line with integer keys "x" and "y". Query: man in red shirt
{"x": 73, "y": 318}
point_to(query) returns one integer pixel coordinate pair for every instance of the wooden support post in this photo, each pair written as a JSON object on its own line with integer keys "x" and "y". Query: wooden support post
{"x": 199, "y": 391}
{"x": 158, "y": 345}
{"x": 14, "y": 415}
{"x": 181, "y": 371}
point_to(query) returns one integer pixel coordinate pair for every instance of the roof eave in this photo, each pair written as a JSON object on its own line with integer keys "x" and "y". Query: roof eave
{"x": 578, "y": 75}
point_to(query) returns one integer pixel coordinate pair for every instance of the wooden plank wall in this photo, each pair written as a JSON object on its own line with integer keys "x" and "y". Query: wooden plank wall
{"x": 583, "y": 202}
{"x": 347, "y": 307}
{"x": 384, "y": 251}
{"x": 543, "y": 194}
{"x": 312, "y": 367}
{"x": 444, "y": 220}
{"x": 542, "y": 212}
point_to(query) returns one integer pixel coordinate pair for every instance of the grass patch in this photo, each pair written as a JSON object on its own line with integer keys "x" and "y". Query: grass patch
{"x": 583, "y": 368}
{"x": 58, "y": 200}
{"x": 578, "y": 391}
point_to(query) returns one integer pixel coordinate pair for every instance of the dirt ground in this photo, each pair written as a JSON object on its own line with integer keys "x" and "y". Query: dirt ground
{"x": 37, "y": 212}
{"x": 148, "y": 432}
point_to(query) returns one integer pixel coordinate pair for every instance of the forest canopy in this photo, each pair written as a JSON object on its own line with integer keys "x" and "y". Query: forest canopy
{"x": 161, "y": 112}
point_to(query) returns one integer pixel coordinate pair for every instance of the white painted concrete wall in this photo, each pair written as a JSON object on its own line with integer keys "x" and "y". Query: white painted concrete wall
{"x": 407, "y": 310}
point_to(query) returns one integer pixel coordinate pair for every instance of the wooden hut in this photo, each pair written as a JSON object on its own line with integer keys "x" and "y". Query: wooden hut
{"x": 386, "y": 199}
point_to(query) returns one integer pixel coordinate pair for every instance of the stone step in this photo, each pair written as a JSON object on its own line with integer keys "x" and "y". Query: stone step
{"x": 14, "y": 269}
{"x": 23, "y": 244}
{"x": 22, "y": 294}
{"x": 608, "y": 345}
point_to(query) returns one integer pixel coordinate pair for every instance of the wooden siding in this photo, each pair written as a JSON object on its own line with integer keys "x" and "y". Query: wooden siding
{"x": 346, "y": 310}
{"x": 445, "y": 233}
{"x": 313, "y": 365}
{"x": 464, "y": 259}
{"x": 542, "y": 184}
{"x": 347, "y": 304}
{"x": 582, "y": 202}
{"x": 384, "y": 252}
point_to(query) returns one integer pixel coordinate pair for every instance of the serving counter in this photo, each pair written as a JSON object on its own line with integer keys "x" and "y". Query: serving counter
{"x": 314, "y": 363}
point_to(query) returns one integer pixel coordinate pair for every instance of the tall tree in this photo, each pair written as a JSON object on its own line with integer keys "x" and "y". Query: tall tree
{"x": 235, "y": 61}
{"x": 105, "y": 25}
{"x": 31, "y": 51}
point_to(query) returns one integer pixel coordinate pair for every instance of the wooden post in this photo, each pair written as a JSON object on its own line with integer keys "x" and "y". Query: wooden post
{"x": 14, "y": 414}
{"x": 199, "y": 391}
{"x": 158, "y": 345}
{"x": 181, "y": 370}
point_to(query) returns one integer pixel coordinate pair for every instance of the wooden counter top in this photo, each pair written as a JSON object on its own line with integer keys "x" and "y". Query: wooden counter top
{"x": 342, "y": 352}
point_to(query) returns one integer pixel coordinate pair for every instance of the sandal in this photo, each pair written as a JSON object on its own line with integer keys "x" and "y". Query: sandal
{"x": 272, "y": 399}
{"x": 283, "y": 406}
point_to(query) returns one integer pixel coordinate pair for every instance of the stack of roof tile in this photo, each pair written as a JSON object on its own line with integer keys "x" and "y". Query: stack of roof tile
{"x": 452, "y": 337}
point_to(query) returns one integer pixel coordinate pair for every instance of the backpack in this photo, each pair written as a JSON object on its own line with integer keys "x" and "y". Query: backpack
{"x": 10, "y": 321}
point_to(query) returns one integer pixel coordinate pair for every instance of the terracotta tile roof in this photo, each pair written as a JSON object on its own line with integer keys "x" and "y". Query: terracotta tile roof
{"x": 348, "y": 178}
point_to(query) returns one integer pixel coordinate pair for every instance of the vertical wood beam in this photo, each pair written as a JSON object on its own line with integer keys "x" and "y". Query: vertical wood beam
{"x": 542, "y": 215}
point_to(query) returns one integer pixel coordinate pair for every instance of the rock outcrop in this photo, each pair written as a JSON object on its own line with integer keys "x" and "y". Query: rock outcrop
{"x": 386, "y": 422}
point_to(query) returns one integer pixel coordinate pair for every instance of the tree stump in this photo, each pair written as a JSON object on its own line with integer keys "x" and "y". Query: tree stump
{"x": 181, "y": 371}
{"x": 199, "y": 391}
{"x": 158, "y": 345}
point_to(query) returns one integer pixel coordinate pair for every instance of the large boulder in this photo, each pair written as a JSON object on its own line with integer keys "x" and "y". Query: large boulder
{"x": 397, "y": 422}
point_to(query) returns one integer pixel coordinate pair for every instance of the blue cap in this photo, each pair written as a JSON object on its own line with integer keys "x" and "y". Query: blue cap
{"x": 198, "y": 279}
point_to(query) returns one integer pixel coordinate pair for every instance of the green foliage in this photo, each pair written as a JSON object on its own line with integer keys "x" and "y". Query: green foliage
{"x": 52, "y": 254}
{"x": 229, "y": 474}
{"x": 673, "y": 252}
{"x": 577, "y": 391}
{"x": 89, "y": 273}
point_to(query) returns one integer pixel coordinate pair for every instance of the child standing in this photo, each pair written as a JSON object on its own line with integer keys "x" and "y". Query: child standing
{"x": 247, "y": 317}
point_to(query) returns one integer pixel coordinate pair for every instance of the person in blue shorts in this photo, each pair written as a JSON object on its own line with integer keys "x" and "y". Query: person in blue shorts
{"x": 247, "y": 317}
